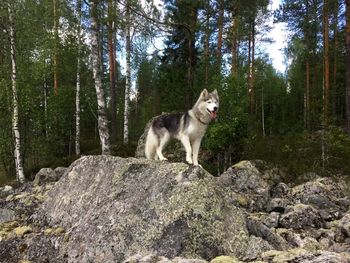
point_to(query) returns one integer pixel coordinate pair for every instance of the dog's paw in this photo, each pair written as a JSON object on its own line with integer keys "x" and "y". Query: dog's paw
{"x": 189, "y": 162}
{"x": 198, "y": 165}
{"x": 164, "y": 159}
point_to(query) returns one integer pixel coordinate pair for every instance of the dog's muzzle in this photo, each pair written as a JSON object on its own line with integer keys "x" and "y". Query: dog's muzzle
{"x": 214, "y": 113}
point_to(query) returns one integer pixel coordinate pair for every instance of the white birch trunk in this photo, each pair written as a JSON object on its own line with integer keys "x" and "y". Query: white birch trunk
{"x": 77, "y": 94}
{"x": 15, "y": 121}
{"x": 97, "y": 74}
{"x": 45, "y": 107}
{"x": 128, "y": 78}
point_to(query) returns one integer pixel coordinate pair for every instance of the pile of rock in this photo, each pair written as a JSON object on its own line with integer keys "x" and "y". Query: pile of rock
{"x": 111, "y": 209}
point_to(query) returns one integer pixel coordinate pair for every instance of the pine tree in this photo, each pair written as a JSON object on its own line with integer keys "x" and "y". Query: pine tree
{"x": 347, "y": 39}
{"x": 56, "y": 39}
{"x": 128, "y": 74}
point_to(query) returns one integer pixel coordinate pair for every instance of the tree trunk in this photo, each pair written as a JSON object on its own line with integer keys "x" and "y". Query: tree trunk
{"x": 128, "y": 76}
{"x": 191, "y": 56}
{"x": 307, "y": 97}
{"x": 96, "y": 66}
{"x": 77, "y": 94}
{"x": 325, "y": 62}
{"x": 251, "y": 99}
{"x": 220, "y": 26}
{"x": 347, "y": 43}
{"x": 262, "y": 112}
{"x": 55, "y": 55}
{"x": 335, "y": 33}
{"x": 206, "y": 46}
{"x": 45, "y": 107}
{"x": 15, "y": 116}
{"x": 112, "y": 76}
{"x": 234, "y": 65}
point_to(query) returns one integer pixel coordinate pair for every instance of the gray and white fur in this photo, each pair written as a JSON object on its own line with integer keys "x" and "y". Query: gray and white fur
{"x": 188, "y": 127}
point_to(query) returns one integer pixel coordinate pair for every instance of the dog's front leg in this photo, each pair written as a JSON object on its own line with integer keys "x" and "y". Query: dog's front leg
{"x": 185, "y": 140}
{"x": 195, "y": 148}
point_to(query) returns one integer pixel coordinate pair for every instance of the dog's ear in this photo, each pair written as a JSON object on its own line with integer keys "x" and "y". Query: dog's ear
{"x": 215, "y": 92}
{"x": 204, "y": 93}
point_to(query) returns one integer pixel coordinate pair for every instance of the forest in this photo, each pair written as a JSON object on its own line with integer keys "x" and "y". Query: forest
{"x": 81, "y": 77}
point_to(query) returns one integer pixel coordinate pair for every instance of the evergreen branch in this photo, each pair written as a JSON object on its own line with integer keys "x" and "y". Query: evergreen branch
{"x": 144, "y": 15}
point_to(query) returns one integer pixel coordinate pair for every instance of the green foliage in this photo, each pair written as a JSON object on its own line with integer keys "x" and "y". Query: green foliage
{"x": 171, "y": 79}
{"x": 302, "y": 153}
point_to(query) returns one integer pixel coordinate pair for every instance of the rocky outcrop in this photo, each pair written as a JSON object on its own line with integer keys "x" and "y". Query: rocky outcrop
{"x": 121, "y": 207}
{"x": 111, "y": 209}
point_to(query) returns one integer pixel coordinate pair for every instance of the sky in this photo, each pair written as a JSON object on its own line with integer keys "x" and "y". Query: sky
{"x": 275, "y": 50}
{"x": 279, "y": 35}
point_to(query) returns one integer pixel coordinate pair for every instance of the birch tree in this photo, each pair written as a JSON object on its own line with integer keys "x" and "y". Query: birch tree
{"x": 112, "y": 67}
{"x": 128, "y": 75}
{"x": 15, "y": 116}
{"x": 221, "y": 27}
{"x": 77, "y": 94}
{"x": 97, "y": 74}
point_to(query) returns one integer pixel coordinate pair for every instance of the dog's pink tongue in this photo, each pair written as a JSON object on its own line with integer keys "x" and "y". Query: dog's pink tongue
{"x": 213, "y": 114}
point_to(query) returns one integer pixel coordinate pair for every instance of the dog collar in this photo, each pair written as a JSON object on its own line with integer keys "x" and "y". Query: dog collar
{"x": 199, "y": 119}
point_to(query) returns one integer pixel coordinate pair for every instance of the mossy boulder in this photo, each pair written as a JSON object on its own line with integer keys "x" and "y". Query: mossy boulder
{"x": 121, "y": 207}
{"x": 249, "y": 184}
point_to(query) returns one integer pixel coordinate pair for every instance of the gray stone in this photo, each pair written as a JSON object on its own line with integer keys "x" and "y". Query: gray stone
{"x": 45, "y": 175}
{"x": 6, "y": 215}
{"x": 344, "y": 224}
{"x": 277, "y": 205}
{"x": 271, "y": 221}
{"x": 121, "y": 207}
{"x": 253, "y": 178}
{"x": 256, "y": 245}
{"x": 323, "y": 194}
{"x": 60, "y": 171}
{"x": 299, "y": 255}
{"x": 5, "y": 191}
{"x": 301, "y": 216}
{"x": 281, "y": 190}
{"x": 258, "y": 229}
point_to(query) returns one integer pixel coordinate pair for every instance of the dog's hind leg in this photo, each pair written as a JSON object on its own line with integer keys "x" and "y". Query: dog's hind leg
{"x": 151, "y": 145}
{"x": 185, "y": 140}
{"x": 162, "y": 142}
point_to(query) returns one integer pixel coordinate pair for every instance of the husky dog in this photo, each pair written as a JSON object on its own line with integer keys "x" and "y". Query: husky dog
{"x": 188, "y": 127}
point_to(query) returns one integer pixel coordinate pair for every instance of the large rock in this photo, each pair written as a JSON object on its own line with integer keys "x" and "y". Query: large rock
{"x": 301, "y": 216}
{"x": 252, "y": 180}
{"x": 323, "y": 194}
{"x": 45, "y": 175}
{"x": 302, "y": 255}
{"x": 114, "y": 208}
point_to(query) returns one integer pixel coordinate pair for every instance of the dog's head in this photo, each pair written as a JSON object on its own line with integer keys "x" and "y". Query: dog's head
{"x": 210, "y": 103}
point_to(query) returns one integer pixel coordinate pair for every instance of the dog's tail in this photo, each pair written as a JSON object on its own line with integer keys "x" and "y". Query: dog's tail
{"x": 151, "y": 144}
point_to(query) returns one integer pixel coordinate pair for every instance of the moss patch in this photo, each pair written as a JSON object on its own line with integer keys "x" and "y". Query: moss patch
{"x": 22, "y": 230}
{"x": 225, "y": 259}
